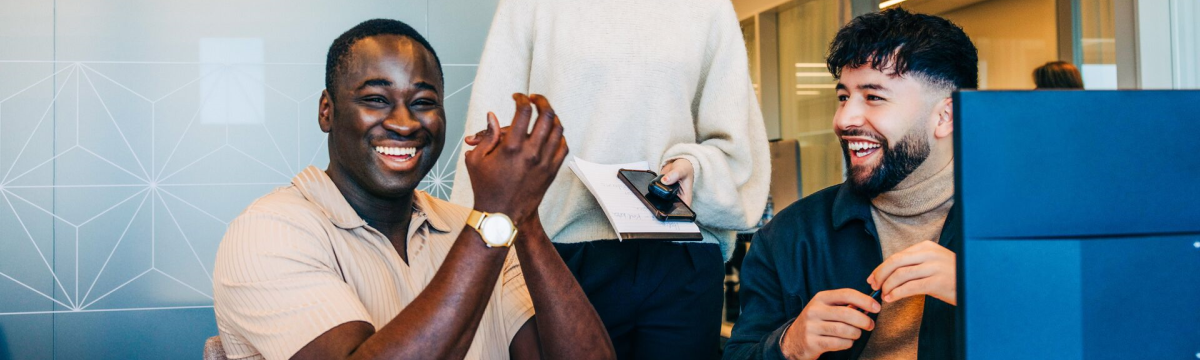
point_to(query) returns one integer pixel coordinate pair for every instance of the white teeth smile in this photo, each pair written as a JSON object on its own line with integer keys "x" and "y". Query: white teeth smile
{"x": 396, "y": 151}
{"x": 861, "y": 145}
{"x": 862, "y": 148}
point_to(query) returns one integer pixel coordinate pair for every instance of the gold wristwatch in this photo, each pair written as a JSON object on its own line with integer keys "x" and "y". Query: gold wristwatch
{"x": 496, "y": 229}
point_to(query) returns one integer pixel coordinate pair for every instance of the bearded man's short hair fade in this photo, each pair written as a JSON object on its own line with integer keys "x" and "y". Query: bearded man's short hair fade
{"x": 926, "y": 47}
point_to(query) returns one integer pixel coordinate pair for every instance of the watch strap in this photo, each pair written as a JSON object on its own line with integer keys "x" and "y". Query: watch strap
{"x": 475, "y": 219}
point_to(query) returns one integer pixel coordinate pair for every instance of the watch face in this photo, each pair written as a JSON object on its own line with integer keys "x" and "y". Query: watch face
{"x": 495, "y": 230}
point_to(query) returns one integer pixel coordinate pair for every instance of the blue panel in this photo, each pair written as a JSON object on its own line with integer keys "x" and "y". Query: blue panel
{"x": 1142, "y": 297}
{"x": 1083, "y": 299}
{"x": 1082, "y": 234}
{"x": 1024, "y": 299}
{"x": 1078, "y": 163}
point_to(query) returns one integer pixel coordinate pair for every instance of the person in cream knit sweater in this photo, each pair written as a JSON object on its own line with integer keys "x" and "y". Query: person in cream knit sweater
{"x": 662, "y": 81}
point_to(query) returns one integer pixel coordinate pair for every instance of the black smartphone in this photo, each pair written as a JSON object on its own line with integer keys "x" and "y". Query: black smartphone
{"x": 672, "y": 209}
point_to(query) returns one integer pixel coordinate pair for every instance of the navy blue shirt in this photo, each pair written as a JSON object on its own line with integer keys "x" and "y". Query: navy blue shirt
{"x": 825, "y": 241}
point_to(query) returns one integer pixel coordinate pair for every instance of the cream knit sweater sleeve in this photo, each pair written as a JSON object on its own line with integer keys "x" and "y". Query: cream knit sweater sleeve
{"x": 503, "y": 70}
{"x": 730, "y": 156}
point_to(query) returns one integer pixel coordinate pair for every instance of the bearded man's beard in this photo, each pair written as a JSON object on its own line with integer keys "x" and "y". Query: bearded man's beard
{"x": 898, "y": 162}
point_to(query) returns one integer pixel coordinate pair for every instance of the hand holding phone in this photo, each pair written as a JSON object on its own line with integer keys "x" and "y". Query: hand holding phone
{"x": 664, "y": 209}
{"x": 680, "y": 172}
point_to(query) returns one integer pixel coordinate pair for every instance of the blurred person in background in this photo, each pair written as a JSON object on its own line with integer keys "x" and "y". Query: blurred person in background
{"x": 1057, "y": 75}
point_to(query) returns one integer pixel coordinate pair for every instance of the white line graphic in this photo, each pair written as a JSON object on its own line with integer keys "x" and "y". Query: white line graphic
{"x": 150, "y": 182}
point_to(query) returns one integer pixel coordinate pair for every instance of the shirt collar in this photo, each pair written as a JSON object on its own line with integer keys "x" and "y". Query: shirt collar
{"x": 317, "y": 187}
{"x": 433, "y": 210}
{"x": 849, "y": 205}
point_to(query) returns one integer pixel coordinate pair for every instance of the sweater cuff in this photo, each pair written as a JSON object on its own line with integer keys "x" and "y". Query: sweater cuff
{"x": 697, "y": 174}
{"x": 773, "y": 345}
{"x": 691, "y": 159}
{"x": 719, "y": 200}
{"x": 695, "y": 169}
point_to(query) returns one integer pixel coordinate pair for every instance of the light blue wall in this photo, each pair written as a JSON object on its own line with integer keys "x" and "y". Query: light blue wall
{"x": 133, "y": 131}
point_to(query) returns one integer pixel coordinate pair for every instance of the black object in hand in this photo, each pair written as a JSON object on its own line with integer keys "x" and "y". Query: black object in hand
{"x": 643, "y": 184}
{"x": 663, "y": 191}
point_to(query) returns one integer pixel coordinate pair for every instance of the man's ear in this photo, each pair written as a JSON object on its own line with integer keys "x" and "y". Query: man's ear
{"x": 325, "y": 112}
{"x": 944, "y": 116}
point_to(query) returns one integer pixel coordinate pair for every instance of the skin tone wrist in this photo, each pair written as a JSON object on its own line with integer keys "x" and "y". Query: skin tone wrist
{"x": 789, "y": 346}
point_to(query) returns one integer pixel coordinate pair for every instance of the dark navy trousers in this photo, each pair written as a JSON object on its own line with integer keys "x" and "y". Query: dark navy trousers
{"x": 658, "y": 300}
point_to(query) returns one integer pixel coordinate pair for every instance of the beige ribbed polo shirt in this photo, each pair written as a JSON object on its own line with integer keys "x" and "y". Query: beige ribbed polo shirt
{"x": 300, "y": 261}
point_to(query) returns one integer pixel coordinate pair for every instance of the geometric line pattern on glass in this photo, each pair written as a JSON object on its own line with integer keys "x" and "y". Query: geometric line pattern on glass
{"x": 155, "y": 183}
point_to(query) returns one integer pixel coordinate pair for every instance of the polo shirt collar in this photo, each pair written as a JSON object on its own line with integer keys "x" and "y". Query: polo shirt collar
{"x": 432, "y": 209}
{"x": 317, "y": 187}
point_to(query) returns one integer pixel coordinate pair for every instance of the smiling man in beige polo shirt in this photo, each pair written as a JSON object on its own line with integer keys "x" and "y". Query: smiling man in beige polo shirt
{"x": 354, "y": 262}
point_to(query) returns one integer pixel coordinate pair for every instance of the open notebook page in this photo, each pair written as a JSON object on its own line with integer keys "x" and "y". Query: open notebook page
{"x": 625, "y": 212}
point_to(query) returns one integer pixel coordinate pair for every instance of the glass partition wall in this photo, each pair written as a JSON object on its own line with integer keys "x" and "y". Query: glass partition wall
{"x": 1096, "y": 36}
{"x": 807, "y": 100}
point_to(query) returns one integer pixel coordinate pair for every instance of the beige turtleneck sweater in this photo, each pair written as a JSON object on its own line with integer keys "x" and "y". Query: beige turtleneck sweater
{"x": 912, "y": 212}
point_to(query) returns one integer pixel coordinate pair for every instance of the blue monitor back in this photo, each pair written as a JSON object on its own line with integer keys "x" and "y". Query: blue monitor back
{"x": 1080, "y": 214}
